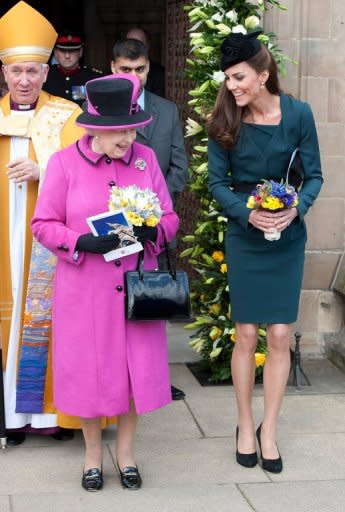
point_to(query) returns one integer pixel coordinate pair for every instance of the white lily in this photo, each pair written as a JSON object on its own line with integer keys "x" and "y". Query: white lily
{"x": 192, "y": 127}
{"x": 223, "y": 29}
{"x": 239, "y": 29}
{"x": 217, "y": 17}
{"x": 251, "y": 22}
{"x": 232, "y": 15}
{"x": 218, "y": 76}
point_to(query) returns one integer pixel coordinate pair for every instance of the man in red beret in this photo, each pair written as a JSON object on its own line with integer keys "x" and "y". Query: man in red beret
{"x": 67, "y": 78}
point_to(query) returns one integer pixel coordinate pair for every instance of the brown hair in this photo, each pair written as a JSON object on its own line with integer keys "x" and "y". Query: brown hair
{"x": 224, "y": 122}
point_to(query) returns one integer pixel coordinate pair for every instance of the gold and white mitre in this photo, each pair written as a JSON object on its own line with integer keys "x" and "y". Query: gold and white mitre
{"x": 25, "y": 35}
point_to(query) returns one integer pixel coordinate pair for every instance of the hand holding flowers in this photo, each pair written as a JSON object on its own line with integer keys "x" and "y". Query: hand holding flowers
{"x": 274, "y": 207}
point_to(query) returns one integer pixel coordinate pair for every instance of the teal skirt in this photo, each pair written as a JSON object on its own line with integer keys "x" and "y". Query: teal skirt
{"x": 265, "y": 278}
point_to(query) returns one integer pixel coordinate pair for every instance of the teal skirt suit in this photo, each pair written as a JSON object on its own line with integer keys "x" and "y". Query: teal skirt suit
{"x": 265, "y": 277}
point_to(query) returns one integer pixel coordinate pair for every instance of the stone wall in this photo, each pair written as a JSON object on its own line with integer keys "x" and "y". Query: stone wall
{"x": 312, "y": 32}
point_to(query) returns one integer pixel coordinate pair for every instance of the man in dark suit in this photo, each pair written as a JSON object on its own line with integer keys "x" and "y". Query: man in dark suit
{"x": 156, "y": 76}
{"x": 164, "y": 135}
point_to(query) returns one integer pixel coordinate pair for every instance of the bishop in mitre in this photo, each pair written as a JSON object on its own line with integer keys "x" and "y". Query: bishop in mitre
{"x": 33, "y": 125}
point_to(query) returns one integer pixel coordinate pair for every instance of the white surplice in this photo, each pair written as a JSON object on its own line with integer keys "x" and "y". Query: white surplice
{"x": 17, "y": 220}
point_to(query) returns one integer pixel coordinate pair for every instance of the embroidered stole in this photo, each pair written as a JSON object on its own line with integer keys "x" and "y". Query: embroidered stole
{"x": 45, "y": 133}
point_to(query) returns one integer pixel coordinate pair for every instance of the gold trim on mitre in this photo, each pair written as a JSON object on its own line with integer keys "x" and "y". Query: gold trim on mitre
{"x": 25, "y": 35}
{"x": 27, "y": 54}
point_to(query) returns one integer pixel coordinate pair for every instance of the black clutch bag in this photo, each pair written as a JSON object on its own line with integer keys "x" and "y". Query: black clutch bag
{"x": 157, "y": 294}
{"x": 295, "y": 172}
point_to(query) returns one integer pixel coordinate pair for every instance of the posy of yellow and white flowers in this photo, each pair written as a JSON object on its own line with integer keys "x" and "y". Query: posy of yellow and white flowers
{"x": 140, "y": 206}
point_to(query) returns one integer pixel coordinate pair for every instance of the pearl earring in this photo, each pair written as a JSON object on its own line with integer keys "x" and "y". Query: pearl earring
{"x": 262, "y": 85}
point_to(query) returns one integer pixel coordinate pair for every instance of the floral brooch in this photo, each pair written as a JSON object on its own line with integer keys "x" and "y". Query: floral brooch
{"x": 140, "y": 164}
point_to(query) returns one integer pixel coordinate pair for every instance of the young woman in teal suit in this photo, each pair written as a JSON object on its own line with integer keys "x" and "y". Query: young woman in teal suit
{"x": 253, "y": 130}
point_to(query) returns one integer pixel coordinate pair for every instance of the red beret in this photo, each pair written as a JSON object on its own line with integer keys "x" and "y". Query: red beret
{"x": 69, "y": 42}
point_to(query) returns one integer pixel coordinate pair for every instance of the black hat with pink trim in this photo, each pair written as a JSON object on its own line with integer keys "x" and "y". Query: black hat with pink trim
{"x": 112, "y": 104}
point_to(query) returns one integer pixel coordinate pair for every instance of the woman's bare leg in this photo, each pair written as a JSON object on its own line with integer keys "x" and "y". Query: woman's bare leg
{"x": 276, "y": 372}
{"x": 243, "y": 375}
{"x": 93, "y": 442}
{"x": 126, "y": 429}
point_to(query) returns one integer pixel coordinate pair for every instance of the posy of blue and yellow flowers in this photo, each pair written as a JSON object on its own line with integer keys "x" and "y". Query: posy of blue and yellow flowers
{"x": 140, "y": 206}
{"x": 273, "y": 196}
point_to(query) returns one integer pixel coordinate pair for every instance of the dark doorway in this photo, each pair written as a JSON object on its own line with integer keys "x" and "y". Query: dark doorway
{"x": 61, "y": 13}
{"x": 103, "y": 21}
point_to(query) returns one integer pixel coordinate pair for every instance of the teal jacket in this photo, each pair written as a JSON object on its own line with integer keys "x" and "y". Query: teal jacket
{"x": 248, "y": 162}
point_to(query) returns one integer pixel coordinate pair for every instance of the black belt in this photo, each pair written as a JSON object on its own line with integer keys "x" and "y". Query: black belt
{"x": 246, "y": 187}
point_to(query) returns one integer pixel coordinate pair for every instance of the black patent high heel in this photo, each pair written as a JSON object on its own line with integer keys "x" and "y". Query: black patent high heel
{"x": 271, "y": 465}
{"x": 248, "y": 460}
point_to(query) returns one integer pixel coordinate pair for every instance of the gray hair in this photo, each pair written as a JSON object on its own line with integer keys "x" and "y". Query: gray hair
{"x": 43, "y": 66}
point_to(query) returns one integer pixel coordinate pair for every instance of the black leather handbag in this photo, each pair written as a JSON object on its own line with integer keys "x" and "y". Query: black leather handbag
{"x": 157, "y": 294}
{"x": 295, "y": 172}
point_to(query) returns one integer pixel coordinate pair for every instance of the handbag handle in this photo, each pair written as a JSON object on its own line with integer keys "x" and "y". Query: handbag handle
{"x": 140, "y": 264}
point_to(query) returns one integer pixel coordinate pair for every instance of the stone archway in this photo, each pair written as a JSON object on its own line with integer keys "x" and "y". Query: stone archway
{"x": 164, "y": 20}
{"x": 104, "y": 21}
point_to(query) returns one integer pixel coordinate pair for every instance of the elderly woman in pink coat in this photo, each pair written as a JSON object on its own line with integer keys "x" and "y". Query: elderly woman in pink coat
{"x": 103, "y": 365}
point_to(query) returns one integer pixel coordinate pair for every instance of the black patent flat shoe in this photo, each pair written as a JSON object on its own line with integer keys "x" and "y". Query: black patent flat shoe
{"x": 64, "y": 434}
{"x": 15, "y": 438}
{"x": 130, "y": 478}
{"x": 92, "y": 479}
{"x": 271, "y": 465}
{"x": 248, "y": 460}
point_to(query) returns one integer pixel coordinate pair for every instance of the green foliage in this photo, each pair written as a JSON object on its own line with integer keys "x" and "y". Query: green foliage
{"x": 211, "y": 21}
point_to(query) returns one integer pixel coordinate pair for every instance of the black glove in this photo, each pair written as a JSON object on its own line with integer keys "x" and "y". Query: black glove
{"x": 97, "y": 244}
{"x": 145, "y": 233}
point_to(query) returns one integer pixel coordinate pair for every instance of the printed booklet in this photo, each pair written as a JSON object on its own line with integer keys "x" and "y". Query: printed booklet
{"x": 115, "y": 222}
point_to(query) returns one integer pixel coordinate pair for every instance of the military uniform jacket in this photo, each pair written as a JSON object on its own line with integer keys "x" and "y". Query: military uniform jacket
{"x": 70, "y": 87}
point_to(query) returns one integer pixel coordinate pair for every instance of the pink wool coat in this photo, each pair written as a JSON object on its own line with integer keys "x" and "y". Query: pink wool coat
{"x": 100, "y": 360}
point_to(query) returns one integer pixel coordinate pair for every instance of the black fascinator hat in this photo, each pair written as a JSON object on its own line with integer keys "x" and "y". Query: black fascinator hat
{"x": 238, "y": 48}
